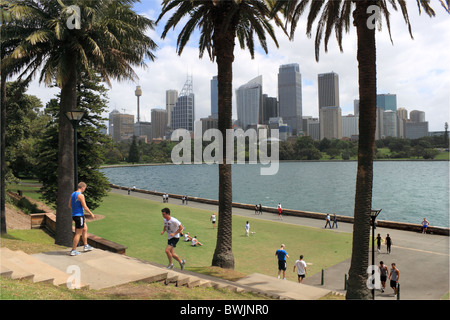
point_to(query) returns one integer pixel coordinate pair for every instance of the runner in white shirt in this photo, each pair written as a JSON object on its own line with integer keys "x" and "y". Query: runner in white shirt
{"x": 173, "y": 228}
{"x": 301, "y": 269}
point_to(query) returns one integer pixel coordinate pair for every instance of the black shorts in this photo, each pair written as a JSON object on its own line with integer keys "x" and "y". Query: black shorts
{"x": 394, "y": 284}
{"x": 173, "y": 242}
{"x": 383, "y": 278}
{"x": 79, "y": 221}
{"x": 301, "y": 276}
{"x": 282, "y": 265}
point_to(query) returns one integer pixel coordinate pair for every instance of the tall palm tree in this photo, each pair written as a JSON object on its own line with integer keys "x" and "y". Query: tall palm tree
{"x": 337, "y": 14}
{"x": 109, "y": 39}
{"x": 220, "y": 22}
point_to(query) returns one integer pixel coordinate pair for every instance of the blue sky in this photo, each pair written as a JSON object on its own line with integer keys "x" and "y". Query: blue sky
{"x": 417, "y": 71}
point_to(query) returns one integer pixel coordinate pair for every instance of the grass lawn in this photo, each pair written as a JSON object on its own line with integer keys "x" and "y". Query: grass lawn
{"x": 137, "y": 223}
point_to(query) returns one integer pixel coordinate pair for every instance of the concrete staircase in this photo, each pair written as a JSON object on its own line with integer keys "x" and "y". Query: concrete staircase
{"x": 100, "y": 269}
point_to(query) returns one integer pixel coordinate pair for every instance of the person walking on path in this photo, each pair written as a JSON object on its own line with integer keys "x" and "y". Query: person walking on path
{"x": 173, "y": 228}
{"x": 335, "y": 220}
{"x": 301, "y": 269}
{"x": 388, "y": 243}
{"x": 379, "y": 243}
{"x": 213, "y": 220}
{"x": 280, "y": 210}
{"x": 247, "y": 229}
{"x": 425, "y": 225}
{"x": 328, "y": 221}
{"x": 394, "y": 277}
{"x": 282, "y": 255}
{"x": 384, "y": 273}
{"x": 78, "y": 205}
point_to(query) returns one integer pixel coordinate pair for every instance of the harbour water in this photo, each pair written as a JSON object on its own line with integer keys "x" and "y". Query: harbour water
{"x": 406, "y": 191}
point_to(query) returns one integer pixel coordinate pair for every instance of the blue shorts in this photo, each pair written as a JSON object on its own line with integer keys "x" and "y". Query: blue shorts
{"x": 173, "y": 242}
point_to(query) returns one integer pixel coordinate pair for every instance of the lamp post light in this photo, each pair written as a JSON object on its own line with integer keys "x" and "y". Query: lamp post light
{"x": 373, "y": 215}
{"x": 75, "y": 117}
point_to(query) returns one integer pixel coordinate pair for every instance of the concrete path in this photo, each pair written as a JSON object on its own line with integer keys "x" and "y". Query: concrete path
{"x": 423, "y": 259}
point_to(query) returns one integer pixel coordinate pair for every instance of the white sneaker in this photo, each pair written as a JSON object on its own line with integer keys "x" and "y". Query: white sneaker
{"x": 170, "y": 266}
{"x": 183, "y": 262}
{"x": 74, "y": 253}
{"x": 88, "y": 248}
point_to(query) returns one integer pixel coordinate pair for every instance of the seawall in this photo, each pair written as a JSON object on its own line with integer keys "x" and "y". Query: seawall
{"x": 299, "y": 213}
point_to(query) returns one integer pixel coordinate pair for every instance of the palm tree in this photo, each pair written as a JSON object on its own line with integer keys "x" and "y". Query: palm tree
{"x": 109, "y": 40}
{"x": 337, "y": 15}
{"x": 220, "y": 22}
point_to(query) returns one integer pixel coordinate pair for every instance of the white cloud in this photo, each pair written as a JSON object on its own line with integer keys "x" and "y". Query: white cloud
{"x": 417, "y": 71}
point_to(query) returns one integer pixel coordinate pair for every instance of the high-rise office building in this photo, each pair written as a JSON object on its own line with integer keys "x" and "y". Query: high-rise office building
{"x": 214, "y": 98}
{"x": 290, "y": 96}
{"x": 329, "y": 108}
{"x": 328, "y": 90}
{"x": 269, "y": 109}
{"x": 387, "y": 101}
{"x": 249, "y": 99}
{"x": 350, "y": 126}
{"x": 417, "y": 116}
{"x": 121, "y": 126}
{"x": 390, "y": 123}
{"x": 159, "y": 123}
{"x": 183, "y": 114}
{"x": 171, "y": 100}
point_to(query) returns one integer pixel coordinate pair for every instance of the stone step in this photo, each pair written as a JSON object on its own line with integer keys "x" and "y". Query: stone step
{"x": 20, "y": 269}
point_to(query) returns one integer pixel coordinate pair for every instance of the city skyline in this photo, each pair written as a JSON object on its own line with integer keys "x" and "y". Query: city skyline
{"x": 411, "y": 69}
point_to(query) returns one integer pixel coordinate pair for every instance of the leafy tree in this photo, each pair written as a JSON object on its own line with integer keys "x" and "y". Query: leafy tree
{"x": 90, "y": 151}
{"x": 110, "y": 39}
{"x": 133, "y": 154}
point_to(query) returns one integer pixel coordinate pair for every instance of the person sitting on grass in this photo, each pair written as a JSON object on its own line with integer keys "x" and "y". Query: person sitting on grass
{"x": 195, "y": 242}
{"x": 187, "y": 237}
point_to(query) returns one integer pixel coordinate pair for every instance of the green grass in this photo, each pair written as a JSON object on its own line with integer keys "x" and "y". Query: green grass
{"x": 137, "y": 223}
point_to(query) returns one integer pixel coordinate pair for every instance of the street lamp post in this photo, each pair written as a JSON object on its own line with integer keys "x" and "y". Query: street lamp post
{"x": 373, "y": 214}
{"x": 75, "y": 117}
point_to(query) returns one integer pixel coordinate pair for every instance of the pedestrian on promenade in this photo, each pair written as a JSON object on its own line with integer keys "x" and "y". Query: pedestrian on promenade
{"x": 328, "y": 221}
{"x": 182, "y": 199}
{"x": 247, "y": 229}
{"x": 425, "y": 225}
{"x": 78, "y": 205}
{"x": 260, "y": 208}
{"x": 394, "y": 276}
{"x": 384, "y": 273}
{"x": 256, "y": 209}
{"x": 195, "y": 242}
{"x": 378, "y": 243}
{"x": 173, "y": 228}
{"x": 388, "y": 243}
{"x": 213, "y": 220}
{"x": 335, "y": 220}
{"x": 301, "y": 269}
{"x": 186, "y": 199}
{"x": 280, "y": 210}
{"x": 282, "y": 255}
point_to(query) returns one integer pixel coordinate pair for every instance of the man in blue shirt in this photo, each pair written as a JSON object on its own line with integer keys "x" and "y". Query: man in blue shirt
{"x": 282, "y": 255}
{"x": 78, "y": 205}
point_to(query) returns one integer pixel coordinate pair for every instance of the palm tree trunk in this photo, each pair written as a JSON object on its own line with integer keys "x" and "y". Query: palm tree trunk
{"x": 224, "y": 46}
{"x": 357, "y": 282}
{"x": 65, "y": 159}
{"x": 2, "y": 155}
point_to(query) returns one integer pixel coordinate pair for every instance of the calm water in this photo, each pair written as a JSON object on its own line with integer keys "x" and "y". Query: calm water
{"x": 407, "y": 191}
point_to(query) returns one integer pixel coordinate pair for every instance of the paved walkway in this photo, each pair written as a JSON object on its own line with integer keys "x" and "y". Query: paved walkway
{"x": 423, "y": 259}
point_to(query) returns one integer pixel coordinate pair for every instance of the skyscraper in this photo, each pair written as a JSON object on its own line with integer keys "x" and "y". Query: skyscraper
{"x": 249, "y": 99}
{"x": 183, "y": 114}
{"x": 214, "y": 98}
{"x": 159, "y": 123}
{"x": 329, "y": 108}
{"x": 171, "y": 100}
{"x": 290, "y": 96}
{"x": 387, "y": 101}
{"x": 328, "y": 90}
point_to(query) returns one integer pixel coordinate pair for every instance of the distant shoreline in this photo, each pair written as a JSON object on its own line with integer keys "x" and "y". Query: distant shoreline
{"x": 281, "y": 161}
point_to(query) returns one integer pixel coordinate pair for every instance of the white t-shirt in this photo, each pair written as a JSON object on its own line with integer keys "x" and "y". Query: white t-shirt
{"x": 213, "y": 218}
{"x": 172, "y": 226}
{"x": 247, "y": 226}
{"x": 301, "y": 265}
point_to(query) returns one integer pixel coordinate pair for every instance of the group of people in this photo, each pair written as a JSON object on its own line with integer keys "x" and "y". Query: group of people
{"x": 388, "y": 241}
{"x": 328, "y": 221}
{"x": 165, "y": 198}
{"x": 299, "y": 264}
{"x": 258, "y": 209}
{"x": 194, "y": 241}
{"x": 393, "y": 275}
